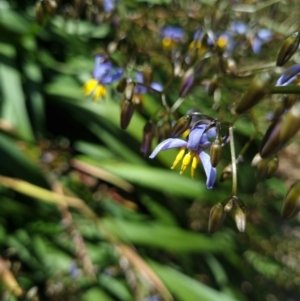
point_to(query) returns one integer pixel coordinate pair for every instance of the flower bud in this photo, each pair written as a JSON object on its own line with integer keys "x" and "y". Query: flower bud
{"x": 261, "y": 168}
{"x": 50, "y": 7}
{"x": 258, "y": 89}
{"x": 228, "y": 206}
{"x": 216, "y": 152}
{"x": 240, "y": 218}
{"x": 181, "y": 125}
{"x": 39, "y": 13}
{"x": 280, "y": 131}
{"x": 288, "y": 48}
{"x": 129, "y": 91}
{"x": 257, "y": 158}
{"x": 122, "y": 85}
{"x": 291, "y": 203}
{"x": 148, "y": 134}
{"x": 213, "y": 85}
{"x": 272, "y": 167}
{"x": 147, "y": 75}
{"x": 127, "y": 109}
{"x": 226, "y": 173}
{"x": 216, "y": 217}
{"x": 187, "y": 82}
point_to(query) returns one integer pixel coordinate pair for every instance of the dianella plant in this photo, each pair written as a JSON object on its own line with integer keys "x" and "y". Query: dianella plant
{"x": 99, "y": 100}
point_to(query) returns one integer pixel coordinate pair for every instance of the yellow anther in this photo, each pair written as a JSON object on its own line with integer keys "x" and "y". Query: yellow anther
{"x": 168, "y": 43}
{"x": 186, "y": 161}
{"x": 100, "y": 91}
{"x": 92, "y": 87}
{"x": 201, "y": 49}
{"x": 222, "y": 42}
{"x": 195, "y": 163}
{"x": 178, "y": 157}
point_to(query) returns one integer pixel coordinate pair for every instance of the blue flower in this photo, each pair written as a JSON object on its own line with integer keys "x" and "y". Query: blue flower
{"x": 238, "y": 27}
{"x": 104, "y": 73}
{"x": 198, "y": 141}
{"x": 140, "y": 87}
{"x": 261, "y": 37}
{"x": 109, "y": 5}
{"x": 290, "y": 75}
{"x": 171, "y": 35}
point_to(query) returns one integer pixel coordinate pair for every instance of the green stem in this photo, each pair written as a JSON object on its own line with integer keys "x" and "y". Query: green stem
{"x": 285, "y": 90}
{"x": 233, "y": 162}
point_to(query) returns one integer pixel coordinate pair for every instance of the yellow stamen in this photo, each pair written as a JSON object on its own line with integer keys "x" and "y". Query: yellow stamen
{"x": 195, "y": 163}
{"x": 178, "y": 157}
{"x": 186, "y": 161}
{"x": 93, "y": 87}
{"x": 222, "y": 42}
{"x": 201, "y": 49}
{"x": 168, "y": 43}
{"x": 186, "y": 133}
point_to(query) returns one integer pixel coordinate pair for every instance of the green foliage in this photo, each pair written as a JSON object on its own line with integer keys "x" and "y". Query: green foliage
{"x": 83, "y": 214}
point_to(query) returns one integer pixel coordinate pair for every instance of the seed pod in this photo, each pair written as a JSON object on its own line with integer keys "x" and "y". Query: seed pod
{"x": 122, "y": 85}
{"x": 148, "y": 135}
{"x": 216, "y": 217}
{"x": 127, "y": 109}
{"x": 226, "y": 173}
{"x": 213, "y": 85}
{"x": 280, "y": 131}
{"x": 259, "y": 87}
{"x": 240, "y": 218}
{"x": 291, "y": 203}
{"x": 288, "y": 48}
{"x": 216, "y": 152}
{"x": 181, "y": 125}
{"x": 187, "y": 82}
{"x": 129, "y": 91}
{"x": 272, "y": 167}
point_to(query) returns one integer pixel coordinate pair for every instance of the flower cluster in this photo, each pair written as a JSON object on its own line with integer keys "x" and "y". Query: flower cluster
{"x": 105, "y": 73}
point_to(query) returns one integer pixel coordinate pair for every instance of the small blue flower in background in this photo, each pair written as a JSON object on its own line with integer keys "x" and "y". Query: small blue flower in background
{"x": 198, "y": 141}
{"x": 104, "y": 73}
{"x": 171, "y": 36}
{"x": 261, "y": 37}
{"x": 289, "y": 76}
{"x": 238, "y": 27}
{"x": 109, "y": 5}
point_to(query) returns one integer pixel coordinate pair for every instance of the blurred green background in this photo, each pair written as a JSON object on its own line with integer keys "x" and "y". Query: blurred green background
{"x": 83, "y": 214}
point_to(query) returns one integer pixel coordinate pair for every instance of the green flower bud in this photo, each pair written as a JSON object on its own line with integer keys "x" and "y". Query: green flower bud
{"x": 280, "y": 131}
{"x": 127, "y": 109}
{"x": 288, "y": 48}
{"x": 259, "y": 87}
{"x": 240, "y": 218}
{"x": 216, "y": 217}
{"x": 272, "y": 167}
{"x": 213, "y": 85}
{"x": 216, "y": 152}
{"x": 257, "y": 158}
{"x": 228, "y": 206}
{"x": 181, "y": 125}
{"x": 291, "y": 203}
{"x": 226, "y": 173}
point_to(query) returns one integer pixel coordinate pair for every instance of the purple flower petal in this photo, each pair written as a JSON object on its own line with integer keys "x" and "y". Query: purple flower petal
{"x": 289, "y": 76}
{"x": 195, "y": 137}
{"x": 256, "y": 45}
{"x": 157, "y": 86}
{"x": 167, "y": 144}
{"x": 172, "y": 32}
{"x": 238, "y": 27}
{"x": 211, "y": 172}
